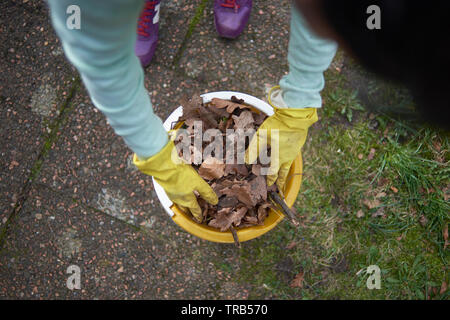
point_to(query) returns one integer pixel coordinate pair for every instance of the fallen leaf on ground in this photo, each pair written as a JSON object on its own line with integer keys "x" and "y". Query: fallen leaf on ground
{"x": 371, "y": 154}
{"x": 378, "y": 213}
{"x": 360, "y": 214}
{"x": 423, "y": 220}
{"x": 291, "y": 245}
{"x": 297, "y": 282}
{"x": 372, "y": 203}
{"x": 394, "y": 189}
{"x": 381, "y": 195}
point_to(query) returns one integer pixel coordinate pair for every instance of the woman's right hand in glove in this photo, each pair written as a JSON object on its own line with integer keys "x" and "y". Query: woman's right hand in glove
{"x": 178, "y": 179}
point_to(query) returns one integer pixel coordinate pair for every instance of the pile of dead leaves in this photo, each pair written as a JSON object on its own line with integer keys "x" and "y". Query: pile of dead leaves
{"x": 241, "y": 189}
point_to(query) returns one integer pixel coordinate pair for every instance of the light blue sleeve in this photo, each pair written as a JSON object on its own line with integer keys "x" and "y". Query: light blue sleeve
{"x": 309, "y": 56}
{"x": 103, "y": 53}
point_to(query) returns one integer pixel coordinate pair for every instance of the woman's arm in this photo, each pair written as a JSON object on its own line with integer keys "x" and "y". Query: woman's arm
{"x": 103, "y": 52}
{"x": 309, "y": 56}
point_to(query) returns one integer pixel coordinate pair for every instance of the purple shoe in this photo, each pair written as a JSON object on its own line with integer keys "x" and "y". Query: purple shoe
{"x": 231, "y": 16}
{"x": 148, "y": 27}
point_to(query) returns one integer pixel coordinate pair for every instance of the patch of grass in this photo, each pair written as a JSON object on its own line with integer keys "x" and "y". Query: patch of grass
{"x": 346, "y": 102}
{"x": 369, "y": 197}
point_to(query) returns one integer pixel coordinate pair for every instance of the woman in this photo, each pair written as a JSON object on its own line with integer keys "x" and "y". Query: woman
{"x": 103, "y": 52}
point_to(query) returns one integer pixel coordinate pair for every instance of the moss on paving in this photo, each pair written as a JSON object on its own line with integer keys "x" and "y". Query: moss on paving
{"x": 192, "y": 25}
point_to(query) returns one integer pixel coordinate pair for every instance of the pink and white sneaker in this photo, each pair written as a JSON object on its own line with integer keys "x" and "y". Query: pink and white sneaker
{"x": 231, "y": 17}
{"x": 147, "y": 32}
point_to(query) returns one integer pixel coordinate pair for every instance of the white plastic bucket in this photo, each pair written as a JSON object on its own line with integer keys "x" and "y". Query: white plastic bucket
{"x": 244, "y": 234}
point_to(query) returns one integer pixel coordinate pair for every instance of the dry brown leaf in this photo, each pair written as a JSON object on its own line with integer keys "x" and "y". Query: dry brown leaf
{"x": 378, "y": 213}
{"x": 237, "y": 215}
{"x": 371, "y": 154}
{"x": 244, "y": 120}
{"x": 259, "y": 188}
{"x": 229, "y": 202}
{"x": 229, "y": 105}
{"x": 240, "y": 169}
{"x": 218, "y": 188}
{"x": 259, "y": 118}
{"x": 221, "y": 113}
{"x": 256, "y": 169}
{"x": 211, "y": 168}
{"x": 291, "y": 245}
{"x": 221, "y": 220}
{"x": 189, "y": 122}
{"x": 297, "y": 282}
{"x": 190, "y": 107}
{"x": 372, "y": 203}
{"x": 381, "y": 195}
{"x": 224, "y": 219}
{"x": 242, "y": 191}
{"x": 423, "y": 220}
{"x": 210, "y": 119}
{"x": 263, "y": 212}
{"x": 251, "y": 220}
{"x": 360, "y": 214}
{"x": 394, "y": 189}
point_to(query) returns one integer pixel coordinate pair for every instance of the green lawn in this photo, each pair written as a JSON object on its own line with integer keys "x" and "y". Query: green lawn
{"x": 375, "y": 192}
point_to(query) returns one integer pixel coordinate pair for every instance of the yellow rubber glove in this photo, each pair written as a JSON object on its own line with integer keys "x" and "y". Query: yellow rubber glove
{"x": 178, "y": 179}
{"x": 292, "y": 125}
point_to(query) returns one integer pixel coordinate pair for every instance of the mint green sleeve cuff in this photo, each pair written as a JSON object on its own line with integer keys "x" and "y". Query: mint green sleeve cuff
{"x": 309, "y": 56}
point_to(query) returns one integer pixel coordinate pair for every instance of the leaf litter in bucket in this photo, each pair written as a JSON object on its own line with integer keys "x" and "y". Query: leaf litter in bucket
{"x": 242, "y": 189}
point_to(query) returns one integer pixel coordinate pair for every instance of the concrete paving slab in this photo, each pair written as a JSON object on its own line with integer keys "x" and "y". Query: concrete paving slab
{"x": 115, "y": 261}
{"x": 34, "y": 82}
